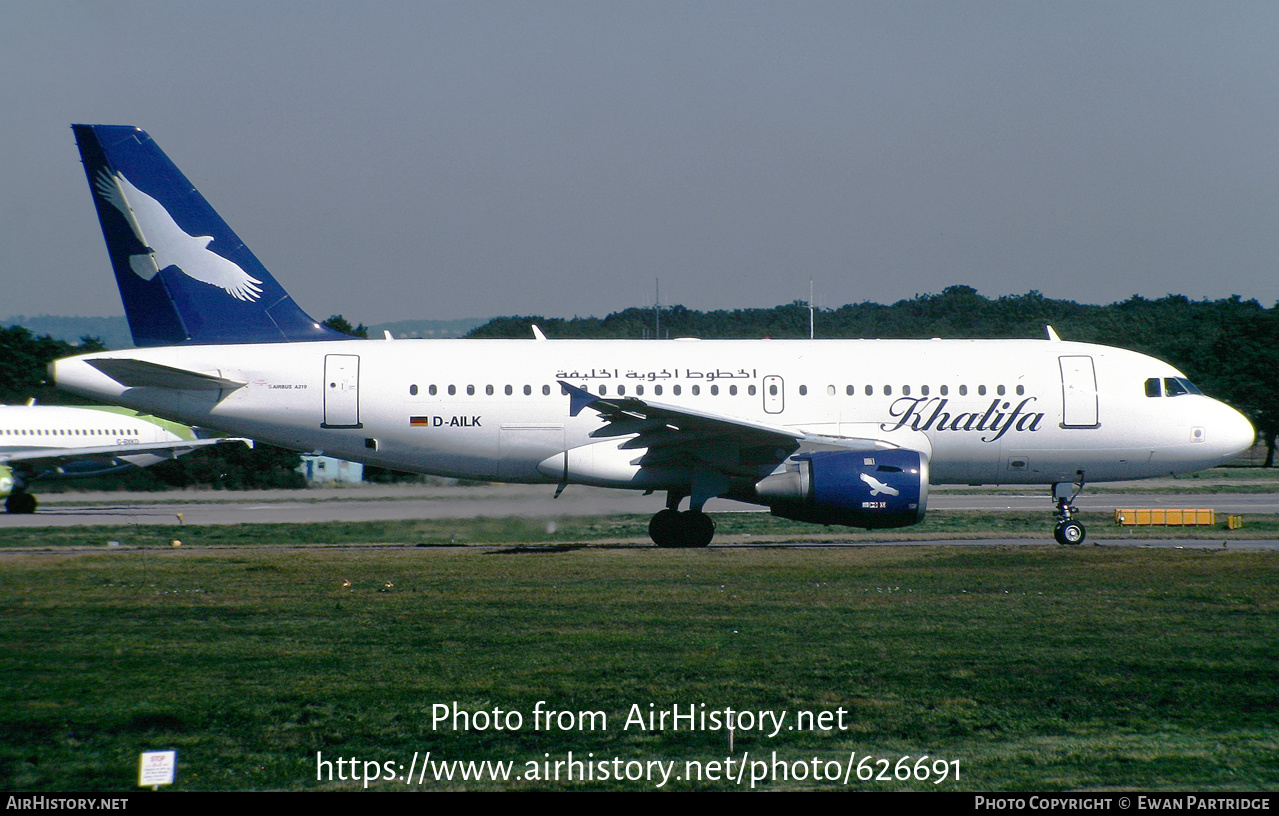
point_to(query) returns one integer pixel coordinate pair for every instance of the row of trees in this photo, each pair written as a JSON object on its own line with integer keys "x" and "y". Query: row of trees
{"x": 24, "y": 360}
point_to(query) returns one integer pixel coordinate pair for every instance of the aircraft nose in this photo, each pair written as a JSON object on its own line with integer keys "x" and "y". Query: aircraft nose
{"x": 1233, "y": 434}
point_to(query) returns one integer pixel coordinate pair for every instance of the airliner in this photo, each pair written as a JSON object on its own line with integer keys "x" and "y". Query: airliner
{"x": 844, "y": 432}
{"x": 55, "y": 441}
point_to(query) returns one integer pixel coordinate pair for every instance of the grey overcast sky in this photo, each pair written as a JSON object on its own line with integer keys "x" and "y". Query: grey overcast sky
{"x": 395, "y": 160}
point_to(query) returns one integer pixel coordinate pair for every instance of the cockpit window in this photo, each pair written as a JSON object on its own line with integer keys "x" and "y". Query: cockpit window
{"x": 1172, "y": 387}
{"x": 1176, "y": 386}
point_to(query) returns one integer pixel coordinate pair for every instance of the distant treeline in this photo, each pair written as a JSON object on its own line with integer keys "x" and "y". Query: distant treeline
{"x": 114, "y": 331}
{"x": 1229, "y": 347}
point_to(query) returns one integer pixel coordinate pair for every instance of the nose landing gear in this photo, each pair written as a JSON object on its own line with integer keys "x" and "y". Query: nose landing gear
{"x": 1067, "y": 530}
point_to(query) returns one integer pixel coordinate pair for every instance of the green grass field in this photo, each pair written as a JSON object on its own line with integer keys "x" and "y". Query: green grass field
{"x": 1032, "y": 668}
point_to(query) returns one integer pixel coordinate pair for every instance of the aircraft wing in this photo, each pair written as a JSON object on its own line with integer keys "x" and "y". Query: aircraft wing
{"x": 37, "y": 459}
{"x": 680, "y": 436}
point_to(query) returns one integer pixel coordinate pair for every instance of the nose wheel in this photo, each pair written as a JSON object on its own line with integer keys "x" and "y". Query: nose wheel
{"x": 1067, "y": 530}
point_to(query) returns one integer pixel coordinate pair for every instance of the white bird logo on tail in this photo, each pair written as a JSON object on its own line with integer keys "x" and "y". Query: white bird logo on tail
{"x": 169, "y": 244}
{"x": 877, "y": 487}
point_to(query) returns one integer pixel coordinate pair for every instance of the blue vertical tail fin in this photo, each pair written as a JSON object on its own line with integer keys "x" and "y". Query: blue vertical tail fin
{"x": 183, "y": 274}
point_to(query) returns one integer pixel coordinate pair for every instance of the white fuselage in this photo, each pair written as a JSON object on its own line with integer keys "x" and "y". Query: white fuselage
{"x": 984, "y": 411}
{"x": 42, "y": 427}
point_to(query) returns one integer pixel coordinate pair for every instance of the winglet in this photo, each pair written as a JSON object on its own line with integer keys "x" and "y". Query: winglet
{"x": 578, "y": 398}
{"x": 1052, "y": 334}
{"x": 537, "y": 333}
{"x": 183, "y": 274}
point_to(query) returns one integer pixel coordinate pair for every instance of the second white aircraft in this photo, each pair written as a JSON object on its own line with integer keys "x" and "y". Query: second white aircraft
{"x": 64, "y": 441}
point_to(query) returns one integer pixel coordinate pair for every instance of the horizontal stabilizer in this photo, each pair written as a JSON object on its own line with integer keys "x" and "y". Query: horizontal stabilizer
{"x": 142, "y": 374}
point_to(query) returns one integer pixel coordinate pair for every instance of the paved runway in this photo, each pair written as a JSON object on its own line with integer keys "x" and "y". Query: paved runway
{"x": 330, "y": 504}
{"x": 374, "y": 503}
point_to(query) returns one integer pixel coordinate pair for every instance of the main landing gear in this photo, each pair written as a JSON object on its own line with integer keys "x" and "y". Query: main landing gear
{"x": 1067, "y": 530}
{"x": 672, "y": 528}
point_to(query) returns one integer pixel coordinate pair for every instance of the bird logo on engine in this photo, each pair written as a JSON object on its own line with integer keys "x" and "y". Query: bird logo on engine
{"x": 877, "y": 487}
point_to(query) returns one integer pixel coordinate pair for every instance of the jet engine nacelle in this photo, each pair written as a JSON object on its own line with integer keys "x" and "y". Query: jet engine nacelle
{"x": 871, "y": 489}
